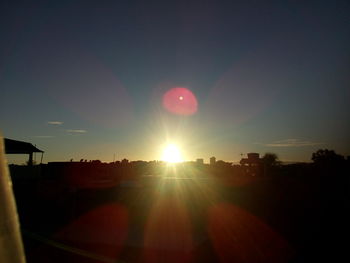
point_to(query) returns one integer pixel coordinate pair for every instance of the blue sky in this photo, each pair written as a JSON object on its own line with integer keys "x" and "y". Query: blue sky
{"x": 268, "y": 77}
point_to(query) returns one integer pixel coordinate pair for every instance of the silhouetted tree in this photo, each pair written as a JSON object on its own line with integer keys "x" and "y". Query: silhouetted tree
{"x": 125, "y": 161}
{"x": 327, "y": 157}
{"x": 270, "y": 159}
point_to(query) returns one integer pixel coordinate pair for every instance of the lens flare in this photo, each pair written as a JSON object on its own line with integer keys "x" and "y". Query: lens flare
{"x": 235, "y": 233}
{"x": 101, "y": 233}
{"x": 168, "y": 233}
{"x": 180, "y": 101}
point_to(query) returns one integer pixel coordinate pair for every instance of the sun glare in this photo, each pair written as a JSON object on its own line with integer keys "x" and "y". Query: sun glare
{"x": 171, "y": 154}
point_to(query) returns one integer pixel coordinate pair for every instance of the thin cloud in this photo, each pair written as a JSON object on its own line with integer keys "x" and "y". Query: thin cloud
{"x": 292, "y": 143}
{"x": 43, "y": 136}
{"x": 55, "y": 122}
{"x": 76, "y": 131}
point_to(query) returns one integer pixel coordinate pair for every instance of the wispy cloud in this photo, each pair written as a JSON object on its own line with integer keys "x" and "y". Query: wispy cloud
{"x": 292, "y": 143}
{"x": 76, "y": 131}
{"x": 55, "y": 122}
{"x": 43, "y": 136}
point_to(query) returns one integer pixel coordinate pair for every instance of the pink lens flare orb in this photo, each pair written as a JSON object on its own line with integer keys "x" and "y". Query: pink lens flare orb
{"x": 180, "y": 101}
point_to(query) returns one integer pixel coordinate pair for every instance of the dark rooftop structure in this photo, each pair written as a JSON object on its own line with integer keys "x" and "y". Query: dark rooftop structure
{"x": 19, "y": 147}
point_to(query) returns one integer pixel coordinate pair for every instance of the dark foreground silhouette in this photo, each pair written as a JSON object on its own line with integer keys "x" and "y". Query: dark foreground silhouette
{"x": 151, "y": 212}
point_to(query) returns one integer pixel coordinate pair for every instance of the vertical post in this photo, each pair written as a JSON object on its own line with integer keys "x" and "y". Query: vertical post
{"x": 30, "y": 161}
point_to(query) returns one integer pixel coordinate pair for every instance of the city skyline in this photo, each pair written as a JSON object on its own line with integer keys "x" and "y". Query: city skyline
{"x": 171, "y": 154}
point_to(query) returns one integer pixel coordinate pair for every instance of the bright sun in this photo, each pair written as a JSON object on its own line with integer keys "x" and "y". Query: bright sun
{"x": 171, "y": 154}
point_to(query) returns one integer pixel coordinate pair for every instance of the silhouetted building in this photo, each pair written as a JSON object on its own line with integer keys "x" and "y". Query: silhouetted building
{"x": 253, "y": 163}
{"x": 212, "y": 160}
{"x": 253, "y": 159}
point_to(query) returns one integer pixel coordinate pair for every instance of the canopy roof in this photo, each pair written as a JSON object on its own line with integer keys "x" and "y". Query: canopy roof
{"x": 18, "y": 147}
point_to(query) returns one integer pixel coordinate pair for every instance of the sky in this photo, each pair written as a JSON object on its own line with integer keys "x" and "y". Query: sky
{"x": 87, "y": 79}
